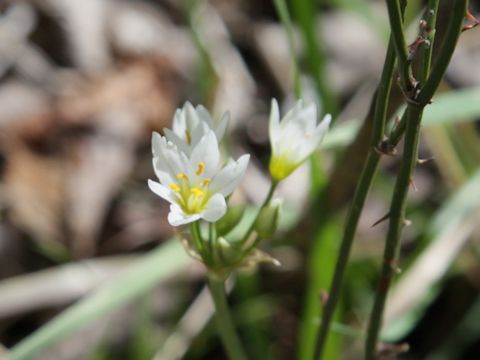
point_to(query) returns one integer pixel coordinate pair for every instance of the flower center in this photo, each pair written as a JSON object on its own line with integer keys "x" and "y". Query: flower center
{"x": 192, "y": 196}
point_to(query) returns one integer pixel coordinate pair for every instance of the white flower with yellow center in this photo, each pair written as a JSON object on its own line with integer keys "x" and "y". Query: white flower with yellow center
{"x": 194, "y": 185}
{"x": 295, "y": 137}
{"x": 191, "y": 124}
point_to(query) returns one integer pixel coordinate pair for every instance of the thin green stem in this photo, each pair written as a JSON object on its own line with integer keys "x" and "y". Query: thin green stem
{"x": 225, "y": 325}
{"x": 359, "y": 197}
{"x": 305, "y": 15}
{"x": 249, "y": 231}
{"x": 398, "y": 205}
{"x": 395, "y": 15}
{"x": 282, "y": 11}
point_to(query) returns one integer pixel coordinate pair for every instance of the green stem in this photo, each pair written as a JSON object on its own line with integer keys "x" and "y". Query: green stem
{"x": 395, "y": 15}
{"x": 282, "y": 11}
{"x": 273, "y": 186}
{"x": 305, "y": 14}
{"x": 225, "y": 325}
{"x": 359, "y": 197}
{"x": 398, "y": 205}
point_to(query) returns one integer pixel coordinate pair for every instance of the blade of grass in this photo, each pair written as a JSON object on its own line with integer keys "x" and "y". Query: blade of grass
{"x": 156, "y": 266}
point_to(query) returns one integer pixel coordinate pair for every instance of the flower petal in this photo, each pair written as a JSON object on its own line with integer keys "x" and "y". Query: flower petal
{"x": 230, "y": 176}
{"x": 206, "y": 152}
{"x": 274, "y": 123}
{"x": 215, "y": 208}
{"x": 177, "y": 217}
{"x": 162, "y": 191}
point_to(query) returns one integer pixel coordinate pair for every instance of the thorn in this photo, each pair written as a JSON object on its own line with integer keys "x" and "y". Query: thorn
{"x": 385, "y": 350}
{"x": 382, "y": 219}
{"x": 385, "y": 147}
{"x": 323, "y": 297}
{"x": 396, "y": 270}
{"x": 425, "y": 161}
{"x": 472, "y": 18}
{"x": 412, "y": 183}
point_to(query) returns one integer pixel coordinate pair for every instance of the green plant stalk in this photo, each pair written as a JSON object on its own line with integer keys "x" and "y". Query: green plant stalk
{"x": 305, "y": 15}
{"x": 397, "y": 218}
{"x": 360, "y": 195}
{"x": 282, "y": 11}
{"x": 249, "y": 231}
{"x": 398, "y": 205}
{"x": 225, "y": 326}
{"x": 395, "y": 15}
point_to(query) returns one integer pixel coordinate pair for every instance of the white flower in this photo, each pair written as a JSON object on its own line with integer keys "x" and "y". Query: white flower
{"x": 294, "y": 138}
{"x": 192, "y": 124}
{"x": 194, "y": 185}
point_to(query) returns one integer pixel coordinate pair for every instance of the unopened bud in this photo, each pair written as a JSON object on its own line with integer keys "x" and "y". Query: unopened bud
{"x": 230, "y": 220}
{"x": 267, "y": 220}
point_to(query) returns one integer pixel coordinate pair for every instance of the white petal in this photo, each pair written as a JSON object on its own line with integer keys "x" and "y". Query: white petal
{"x": 207, "y": 152}
{"x": 222, "y": 126}
{"x": 230, "y": 176}
{"x": 162, "y": 191}
{"x": 179, "y": 123}
{"x": 157, "y": 141}
{"x": 274, "y": 123}
{"x": 177, "y": 217}
{"x": 177, "y": 140}
{"x": 215, "y": 208}
{"x": 204, "y": 115}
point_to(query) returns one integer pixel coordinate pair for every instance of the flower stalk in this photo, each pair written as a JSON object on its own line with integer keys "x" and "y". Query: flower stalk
{"x": 224, "y": 321}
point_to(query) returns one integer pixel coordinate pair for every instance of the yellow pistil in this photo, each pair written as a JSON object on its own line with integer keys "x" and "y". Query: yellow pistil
{"x": 201, "y": 168}
{"x": 174, "y": 187}
{"x": 197, "y": 192}
{"x": 182, "y": 176}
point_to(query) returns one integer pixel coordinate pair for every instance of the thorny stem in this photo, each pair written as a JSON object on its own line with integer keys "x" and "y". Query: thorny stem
{"x": 395, "y": 15}
{"x": 398, "y": 205}
{"x": 225, "y": 325}
{"x": 359, "y": 197}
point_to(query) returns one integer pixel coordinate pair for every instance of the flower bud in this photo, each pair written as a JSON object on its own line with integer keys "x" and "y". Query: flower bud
{"x": 267, "y": 220}
{"x": 230, "y": 220}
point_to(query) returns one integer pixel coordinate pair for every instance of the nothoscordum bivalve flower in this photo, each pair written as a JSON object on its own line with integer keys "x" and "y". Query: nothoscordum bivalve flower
{"x": 190, "y": 124}
{"x": 195, "y": 185}
{"x": 295, "y": 137}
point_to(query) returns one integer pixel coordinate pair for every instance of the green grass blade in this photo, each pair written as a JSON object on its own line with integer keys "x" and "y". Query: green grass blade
{"x": 141, "y": 277}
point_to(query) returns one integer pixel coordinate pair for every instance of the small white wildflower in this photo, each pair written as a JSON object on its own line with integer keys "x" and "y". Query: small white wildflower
{"x": 194, "y": 185}
{"x": 191, "y": 124}
{"x": 295, "y": 137}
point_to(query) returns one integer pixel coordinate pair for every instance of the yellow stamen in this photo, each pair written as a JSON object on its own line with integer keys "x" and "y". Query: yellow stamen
{"x": 182, "y": 176}
{"x": 188, "y": 137}
{"x": 205, "y": 182}
{"x": 174, "y": 187}
{"x": 197, "y": 192}
{"x": 201, "y": 167}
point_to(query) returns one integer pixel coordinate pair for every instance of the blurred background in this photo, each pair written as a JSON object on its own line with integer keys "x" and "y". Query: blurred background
{"x": 82, "y": 86}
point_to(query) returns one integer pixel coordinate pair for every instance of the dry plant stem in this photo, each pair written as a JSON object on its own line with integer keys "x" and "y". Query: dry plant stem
{"x": 225, "y": 325}
{"x": 397, "y": 208}
{"x": 359, "y": 197}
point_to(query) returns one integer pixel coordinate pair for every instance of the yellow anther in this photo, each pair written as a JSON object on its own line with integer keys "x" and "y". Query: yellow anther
{"x": 197, "y": 192}
{"x": 188, "y": 137}
{"x": 174, "y": 187}
{"x": 205, "y": 182}
{"x": 201, "y": 167}
{"x": 182, "y": 176}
